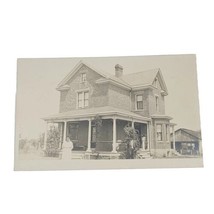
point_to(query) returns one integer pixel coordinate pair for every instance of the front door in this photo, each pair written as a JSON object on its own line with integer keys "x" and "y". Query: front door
{"x": 142, "y": 132}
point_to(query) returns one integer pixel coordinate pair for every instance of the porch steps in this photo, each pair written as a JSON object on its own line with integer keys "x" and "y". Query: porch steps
{"x": 175, "y": 153}
{"x": 78, "y": 156}
{"x": 142, "y": 154}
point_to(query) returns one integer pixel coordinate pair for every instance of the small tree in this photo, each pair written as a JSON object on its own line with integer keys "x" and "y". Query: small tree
{"x": 22, "y": 144}
{"x": 53, "y": 141}
{"x": 131, "y": 134}
{"x": 41, "y": 140}
{"x": 97, "y": 122}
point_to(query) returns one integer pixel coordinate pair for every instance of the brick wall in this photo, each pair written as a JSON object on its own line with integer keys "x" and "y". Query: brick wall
{"x": 146, "y": 105}
{"x": 98, "y": 94}
{"x": 108, "y": 94}
{"x": 119, "y": 98}
{"x": 164, "y": 144}
{"x": 152, "y": 102}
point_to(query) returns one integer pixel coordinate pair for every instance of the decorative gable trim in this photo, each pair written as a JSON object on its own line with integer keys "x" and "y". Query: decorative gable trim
{"x": 74, "y": 71}
{"x": 107, "y": 80}
{"x": 64, "y": 88}
{"x": 162, "y": 83}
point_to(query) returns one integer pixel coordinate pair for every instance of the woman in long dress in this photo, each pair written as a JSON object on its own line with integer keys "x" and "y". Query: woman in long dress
{"x": 67, "y": 147}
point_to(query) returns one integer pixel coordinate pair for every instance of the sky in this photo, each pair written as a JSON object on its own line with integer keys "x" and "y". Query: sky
{"x": 37, "y": 79}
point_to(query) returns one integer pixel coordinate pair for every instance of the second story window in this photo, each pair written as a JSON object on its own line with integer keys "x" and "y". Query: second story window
{"x": 139, "y": 101}
{"x": 83, "y": 98}
{"x": 83, "y": 77}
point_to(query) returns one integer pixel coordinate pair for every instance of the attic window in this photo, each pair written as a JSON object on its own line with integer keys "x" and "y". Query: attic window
{"x": 157, "y": 103}
{"x": 156, "y": 82}
{"x": 83, "y": 77}
{"x": 139, "y": 101}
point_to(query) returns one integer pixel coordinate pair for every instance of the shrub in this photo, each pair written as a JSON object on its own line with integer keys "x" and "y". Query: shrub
{"x": 53, "y": 140}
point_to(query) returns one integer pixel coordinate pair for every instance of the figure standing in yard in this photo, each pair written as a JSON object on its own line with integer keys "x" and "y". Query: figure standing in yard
{"x": 67, "y": 147}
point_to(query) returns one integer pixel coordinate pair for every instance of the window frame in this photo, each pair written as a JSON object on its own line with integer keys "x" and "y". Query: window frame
{"x": 157, "y": 137}
{"x": 137, "y": 102}
{"x": 156, "y": 82}
{"x": 83, "y": 77}
{"x": 83, "y": 100}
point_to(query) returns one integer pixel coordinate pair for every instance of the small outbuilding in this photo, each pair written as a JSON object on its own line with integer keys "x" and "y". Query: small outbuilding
{"x": 187, "y": 142}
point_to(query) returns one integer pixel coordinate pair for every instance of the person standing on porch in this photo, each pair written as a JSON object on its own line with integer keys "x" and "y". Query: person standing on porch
{"x": 67, "y": 147}
{"x": 143, "y": 140}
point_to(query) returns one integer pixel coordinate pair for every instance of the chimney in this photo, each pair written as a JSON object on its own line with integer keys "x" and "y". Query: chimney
{"x": 118, "y": 71}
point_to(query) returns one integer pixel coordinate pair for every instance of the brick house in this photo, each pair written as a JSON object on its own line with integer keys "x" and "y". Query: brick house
{"x": 136, "y": 99}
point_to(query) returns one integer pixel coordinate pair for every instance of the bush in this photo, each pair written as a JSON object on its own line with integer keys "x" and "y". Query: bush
{"x": 53, "y": 141}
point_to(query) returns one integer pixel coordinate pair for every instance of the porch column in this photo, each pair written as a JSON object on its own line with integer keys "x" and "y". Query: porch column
{"x": 114, "y": 144}
{"x": 200, "y": 148}
{"x": 61, "y": 134}
{"x": 173, "y": 137}
{"x": 89, "y": 136}
{"x": 65, "y": 131}
{"x": 132, "y": 123}
{"x": 148, "y": 135}
{"x": 45, "y": 137}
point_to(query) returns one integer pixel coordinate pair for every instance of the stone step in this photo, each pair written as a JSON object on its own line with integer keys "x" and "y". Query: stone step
{"x": 144, "y": 154}
{"x": 77, "y": 156}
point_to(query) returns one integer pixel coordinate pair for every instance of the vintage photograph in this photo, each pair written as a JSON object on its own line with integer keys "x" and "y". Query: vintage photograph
{"x": 107, "y": 113}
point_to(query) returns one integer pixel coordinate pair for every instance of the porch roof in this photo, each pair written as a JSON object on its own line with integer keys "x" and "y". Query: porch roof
{"x": 80, "y": 114}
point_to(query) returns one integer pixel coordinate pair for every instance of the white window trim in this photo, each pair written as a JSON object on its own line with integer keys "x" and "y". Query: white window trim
{"x": 81, "y": 75}
{"x": 162, "y": 130}
{"x": 136, "y": 109}
{"x": 77, "y": 93}
{"x": 167, "y": 125}
{"x": 156, "y": 82}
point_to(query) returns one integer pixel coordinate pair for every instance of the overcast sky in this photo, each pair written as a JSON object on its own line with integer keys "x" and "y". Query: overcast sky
{"x": 38, "y": 78}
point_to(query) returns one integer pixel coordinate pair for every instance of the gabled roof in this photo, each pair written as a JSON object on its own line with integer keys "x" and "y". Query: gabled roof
{"x": 73, "y": 72}
{"x": 104, "y": 76}
{"x": 141, "y": 78}
{"x": 196, "y": 134}
{"x": 128, "y": 81}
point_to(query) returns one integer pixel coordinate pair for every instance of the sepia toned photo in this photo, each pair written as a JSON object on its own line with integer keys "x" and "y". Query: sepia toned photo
{"x": 107, "y": 113}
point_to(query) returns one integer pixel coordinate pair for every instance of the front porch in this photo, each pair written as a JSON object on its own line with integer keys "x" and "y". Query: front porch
{"x": 109, "y": 144}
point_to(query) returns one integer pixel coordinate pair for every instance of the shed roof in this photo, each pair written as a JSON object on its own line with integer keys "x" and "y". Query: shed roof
{"x": 196, "y": 134}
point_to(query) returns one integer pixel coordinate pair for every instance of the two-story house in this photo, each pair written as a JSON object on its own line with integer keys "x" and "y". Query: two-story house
{"x": 137, "y": 99}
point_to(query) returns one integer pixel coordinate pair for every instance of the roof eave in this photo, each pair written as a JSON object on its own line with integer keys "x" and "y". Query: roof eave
{"x": 161, "y": 117}
{"x": 140, "y": 87}
{"x": 103, "y": 81}
{"x": 79, "y": 117}
{"x": 75, "y": 69}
